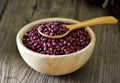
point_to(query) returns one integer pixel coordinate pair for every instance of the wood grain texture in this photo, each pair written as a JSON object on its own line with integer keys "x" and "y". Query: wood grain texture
{"x": 3, "y": 4}
{"x": 103, "y": 66}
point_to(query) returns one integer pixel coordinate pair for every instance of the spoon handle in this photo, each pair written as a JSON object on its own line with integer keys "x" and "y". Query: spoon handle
{"x": 95, "y": 21}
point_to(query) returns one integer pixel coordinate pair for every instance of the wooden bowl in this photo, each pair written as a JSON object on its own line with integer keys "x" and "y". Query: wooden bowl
{"x": 54, "y": 65}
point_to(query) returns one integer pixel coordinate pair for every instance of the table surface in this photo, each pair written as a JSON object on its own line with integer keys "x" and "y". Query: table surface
{"x": 102, "y": 67}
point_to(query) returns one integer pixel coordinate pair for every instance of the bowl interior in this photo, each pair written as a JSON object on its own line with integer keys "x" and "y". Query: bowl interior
{"x": 28, "y": 27}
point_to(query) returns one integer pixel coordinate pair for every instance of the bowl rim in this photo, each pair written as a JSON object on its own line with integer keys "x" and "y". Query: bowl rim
{"x": 24, "y": 29}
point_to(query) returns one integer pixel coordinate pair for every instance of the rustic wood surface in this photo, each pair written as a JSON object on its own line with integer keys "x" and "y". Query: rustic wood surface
{"x": 103, "y": 66}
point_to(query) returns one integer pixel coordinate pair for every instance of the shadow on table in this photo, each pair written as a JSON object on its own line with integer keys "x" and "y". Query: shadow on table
{"x": 85, "y": 74}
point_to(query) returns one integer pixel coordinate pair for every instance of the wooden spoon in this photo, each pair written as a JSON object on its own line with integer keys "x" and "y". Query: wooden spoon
{"x": 95, "y": 21}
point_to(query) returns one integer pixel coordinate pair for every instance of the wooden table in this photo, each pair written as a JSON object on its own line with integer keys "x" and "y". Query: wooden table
{"x": 103, "y": 66}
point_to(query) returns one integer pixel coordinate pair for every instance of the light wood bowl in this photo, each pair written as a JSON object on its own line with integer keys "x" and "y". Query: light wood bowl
{"x": 54, "y": 65}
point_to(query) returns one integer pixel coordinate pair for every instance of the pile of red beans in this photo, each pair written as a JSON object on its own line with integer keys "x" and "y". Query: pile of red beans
{"x": 73, "y": 42}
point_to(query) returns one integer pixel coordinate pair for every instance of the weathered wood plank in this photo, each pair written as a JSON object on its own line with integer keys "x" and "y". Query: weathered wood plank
{"x": 3, "y": 4}
{"x": 103, "y": 66}
{"x": 13, "y": 68}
